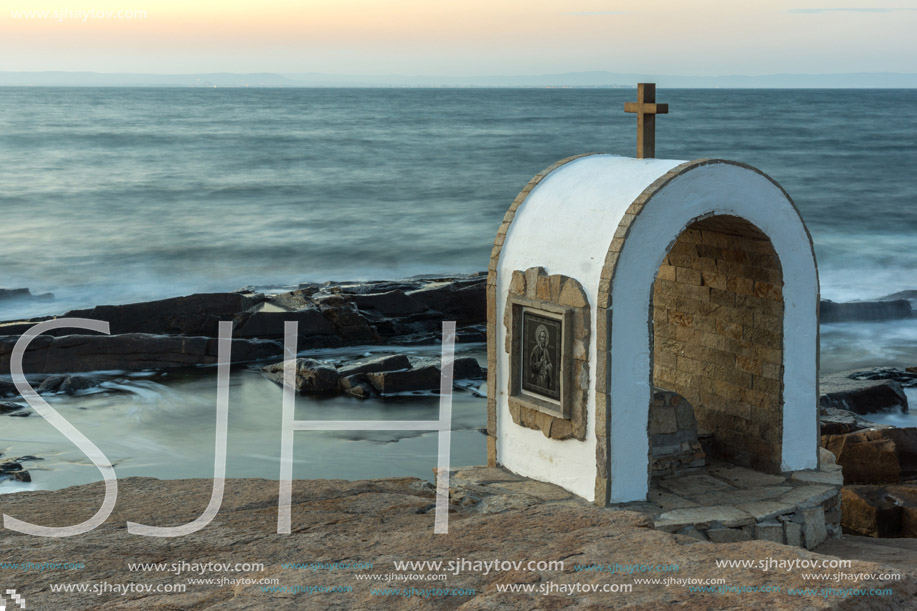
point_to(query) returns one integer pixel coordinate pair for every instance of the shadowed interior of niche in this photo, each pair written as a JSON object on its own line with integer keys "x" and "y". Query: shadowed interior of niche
{"x": 717, "y": 349}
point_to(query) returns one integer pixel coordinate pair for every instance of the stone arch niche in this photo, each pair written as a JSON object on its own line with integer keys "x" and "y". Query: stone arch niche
{"x": 697, "y": 277}
{"x": 717, "y": 341}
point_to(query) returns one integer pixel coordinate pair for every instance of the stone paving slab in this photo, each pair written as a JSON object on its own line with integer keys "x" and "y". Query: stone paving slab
{"x": 703, "y": 517}
{"x": 809, "y": 495}
{"x": 734, "y": 504}
{"x": 742, "y": 477}
{"x": 833, "y": 477}
{"x": 692, "y": 485}
{"x": 765, "y": 510}
{"x": 668, "y": 501}
{"x": 736, "y": 497}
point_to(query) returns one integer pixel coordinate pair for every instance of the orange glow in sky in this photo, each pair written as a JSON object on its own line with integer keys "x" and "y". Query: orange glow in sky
{"x": 475, "y": 37}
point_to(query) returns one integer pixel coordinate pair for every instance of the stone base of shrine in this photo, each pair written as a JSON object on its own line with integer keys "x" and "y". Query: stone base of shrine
{"x": 721, "y": 502}
{"x": 724, "y": 503}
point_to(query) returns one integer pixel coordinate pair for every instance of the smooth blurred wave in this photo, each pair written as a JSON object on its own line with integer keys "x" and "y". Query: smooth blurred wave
{"x": 118, "y": 195}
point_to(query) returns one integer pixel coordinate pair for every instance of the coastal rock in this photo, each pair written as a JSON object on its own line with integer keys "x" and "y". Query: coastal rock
{"x": 467, "y": 368}
{"x": 8, "y": 389}
{"x": 314, "y": 329}
{"x": 408, "y": 312}
{"x": 312, "y": 376}
{"x": 905, "y": 377}
{"x": 78, "y": 353}
{"x": 350, "y": 325}
{"x": 875, "y": 456}
{"x": 19, "y": 327}
{"x": 462, "y": 301}
{"x": 7, "y": 294}
{"x": 18, "y": 476}
{"x": 861, "y": 396}
{"x": 376, "y": 286}
{"x": 357, "y": 386}
{"x": 391, "y": 362}
{"x": 8, "y": 408}
{"x": 67, "y": 385}
{"x": 830, "y": 312}
{"x": 392, "y": 303}
{"x": 12, "y": 469}
{"x": 429, "y": 323}
{"x": 434, "y": 335}
{"x": 910, "y": 295}
{"x": 880, "y": 511}
{"x": 195, "y": 315}
{"x": 840, "y": 421}
{"x": 16, "y": 294}
{"x": 393, "y": 382}
{"x": 384, "y": 375}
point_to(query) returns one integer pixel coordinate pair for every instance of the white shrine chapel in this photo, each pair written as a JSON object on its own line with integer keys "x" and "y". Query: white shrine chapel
{"x": 616, "y": 284}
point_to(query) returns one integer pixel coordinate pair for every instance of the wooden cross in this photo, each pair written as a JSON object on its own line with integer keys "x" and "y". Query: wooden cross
{"x": 646, "y": 109}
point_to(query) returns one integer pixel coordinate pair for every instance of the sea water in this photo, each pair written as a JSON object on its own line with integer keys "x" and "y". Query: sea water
{"x": 119, "y": 195}
{"x": 122, "y": 195}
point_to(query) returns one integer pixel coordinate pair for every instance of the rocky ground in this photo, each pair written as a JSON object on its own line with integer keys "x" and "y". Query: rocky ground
{"x": 494, "y": 516}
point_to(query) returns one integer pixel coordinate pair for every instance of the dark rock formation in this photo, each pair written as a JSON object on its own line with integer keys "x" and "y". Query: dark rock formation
{"x": 467, "y": 368}
{"x": 77, "y": 353}
{"x": 8, "y": 408}
{"x": 462, "y": 301}
{"x": 905, "y": 377}
{"x": 312, "y": 376}
{"x": 6, "y": 294}
{"x": 392, "y": 362}
{"x": 13, "y": 469}
{"x": 357, "y": 386}
{"x": 314, "y": 328}
{"x": 7, "y": 389}
{"x": 880, "y": 511}
{"x": 196, "y": 315}
{"x": 841, "y": 421}
{"x": 861, "y": 395}
{"x": 65, "y": 384}
{"x": 407, "y": 312}
{"x": 410, "y": 380}
{"x": 349, "y": 323}
{"x": 910, "y": 295}
{"x": 383, "y": 375}
{"x": 15, "y": 294}
{"x": 392, "y": 303}
{"x": 830, "y": 311}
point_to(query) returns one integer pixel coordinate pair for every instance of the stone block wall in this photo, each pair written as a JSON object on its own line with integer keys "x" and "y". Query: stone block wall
{"x": 674, "y": 446}
{"x": 718, "y": 336}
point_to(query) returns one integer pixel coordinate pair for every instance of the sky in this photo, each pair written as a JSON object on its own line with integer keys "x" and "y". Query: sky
{"x": 451, "y": 38}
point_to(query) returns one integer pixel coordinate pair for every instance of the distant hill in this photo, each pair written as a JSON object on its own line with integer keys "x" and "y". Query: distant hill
{"x": 101, "y": 79}
{"x": 876, "y": 80}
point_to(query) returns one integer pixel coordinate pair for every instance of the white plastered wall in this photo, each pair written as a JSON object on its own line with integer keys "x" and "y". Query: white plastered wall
{"x": 565, "y": 225}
